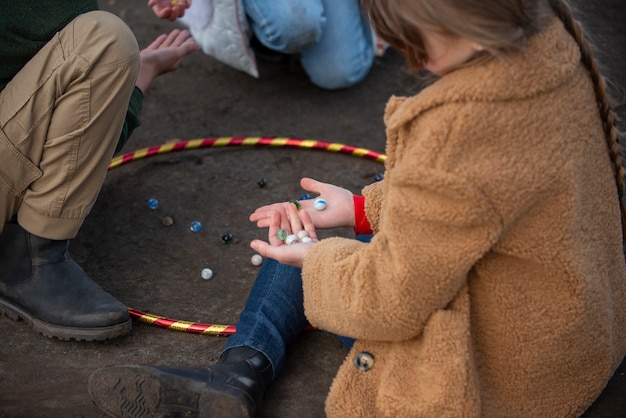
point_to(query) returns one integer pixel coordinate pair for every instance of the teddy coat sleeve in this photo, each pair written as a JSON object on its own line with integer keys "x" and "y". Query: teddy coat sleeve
{"x": 387, "y": 289}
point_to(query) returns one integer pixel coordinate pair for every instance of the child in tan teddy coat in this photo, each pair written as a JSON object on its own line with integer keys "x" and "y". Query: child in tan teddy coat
{"x": 494, "y": 284}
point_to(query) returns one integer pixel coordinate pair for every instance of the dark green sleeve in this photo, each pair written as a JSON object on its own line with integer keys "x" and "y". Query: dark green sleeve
{"x": 133, "y": 118}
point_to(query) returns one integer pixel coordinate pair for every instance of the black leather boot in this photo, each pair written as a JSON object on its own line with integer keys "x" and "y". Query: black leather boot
{"x": 42, "y": 284}
{"x": 232, "y": 388}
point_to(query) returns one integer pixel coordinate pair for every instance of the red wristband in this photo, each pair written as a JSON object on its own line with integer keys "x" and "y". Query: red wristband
{"x": 361, "y": 224}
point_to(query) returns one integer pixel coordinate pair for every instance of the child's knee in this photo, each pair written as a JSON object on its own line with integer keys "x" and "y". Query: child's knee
{"x": 104, "y": 38}
{"x": 337, "y": 76}
{"x": 292, "y": 32}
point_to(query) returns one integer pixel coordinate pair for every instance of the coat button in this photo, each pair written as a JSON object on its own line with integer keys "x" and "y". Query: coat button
{"x": 364, "y": 361}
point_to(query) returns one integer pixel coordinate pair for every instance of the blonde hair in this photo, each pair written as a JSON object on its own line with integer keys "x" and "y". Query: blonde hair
{"x": 499, "y": 26}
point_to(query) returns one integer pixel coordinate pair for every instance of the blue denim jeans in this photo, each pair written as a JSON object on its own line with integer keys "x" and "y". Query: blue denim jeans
{"x": 274, "y": 313}
{"x": 333, "y": 37}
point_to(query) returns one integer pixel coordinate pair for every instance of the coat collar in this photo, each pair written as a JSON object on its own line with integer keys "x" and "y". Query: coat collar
{"x": 548, "y": 60}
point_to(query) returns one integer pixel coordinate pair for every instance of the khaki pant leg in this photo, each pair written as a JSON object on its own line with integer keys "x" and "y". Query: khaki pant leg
{"x": 60, "y": 119}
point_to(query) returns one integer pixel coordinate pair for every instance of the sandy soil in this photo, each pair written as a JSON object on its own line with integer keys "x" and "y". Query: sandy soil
{"x": 156, "y": 269}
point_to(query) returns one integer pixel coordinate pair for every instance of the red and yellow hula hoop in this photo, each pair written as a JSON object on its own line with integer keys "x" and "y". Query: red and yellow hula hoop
{"x": 246, "y": 141}
{"x": 183, "y": 326}
{"x": 194, "y": 144}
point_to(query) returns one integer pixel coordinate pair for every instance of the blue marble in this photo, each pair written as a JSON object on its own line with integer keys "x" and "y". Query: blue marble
{"x": 195, "y": 226}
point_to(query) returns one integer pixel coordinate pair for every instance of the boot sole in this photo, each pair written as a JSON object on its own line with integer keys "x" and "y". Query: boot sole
{"x": 141, "y": 391}
{"x": 64, "y": 333}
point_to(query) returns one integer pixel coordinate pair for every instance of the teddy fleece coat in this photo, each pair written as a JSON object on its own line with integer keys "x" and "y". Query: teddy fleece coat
{"x": 495, "y": 283}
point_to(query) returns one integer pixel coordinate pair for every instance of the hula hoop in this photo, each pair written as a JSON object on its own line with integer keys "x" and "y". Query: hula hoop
{"x": 245, "y": 141}
{"x": 183, "y": 326}
{"x": 195, "y": 144}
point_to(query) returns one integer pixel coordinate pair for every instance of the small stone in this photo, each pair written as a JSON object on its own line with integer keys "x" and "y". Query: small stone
{"x": 291, "y": 239}
{"x": 262, "y": 182}
{"x": 226, "y": 238}
{"x": 319, "y": 204}
{"x": 379, "y": 177}
{"x": 153, "y": 203}
{"x": 167, "y": 221}
{"x": 306, "y": 239}
{"x": 195, "y": 226}
{"x": 256, "y": 260}
{"x": 207, "y": 274}
{"x": 302, "y": 234}
{"x": 305, "y": 196}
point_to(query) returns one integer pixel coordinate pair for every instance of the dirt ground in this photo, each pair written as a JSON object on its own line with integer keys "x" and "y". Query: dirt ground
{"x": 156, "y": 269}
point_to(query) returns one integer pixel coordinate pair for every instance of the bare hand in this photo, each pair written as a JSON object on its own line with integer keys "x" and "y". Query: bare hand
{"x": 164, "y": 55}
{"x": 169, "y": 9}
{"x": 339, "y": 210}
{"x": 292, "y": 221}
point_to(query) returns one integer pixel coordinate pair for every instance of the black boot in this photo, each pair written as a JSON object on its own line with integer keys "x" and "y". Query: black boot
{"x": 42, "y": 284}
{"x": 232, "y": 388}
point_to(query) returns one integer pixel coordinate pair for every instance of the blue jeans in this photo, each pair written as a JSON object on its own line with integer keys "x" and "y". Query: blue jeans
{"x": 274, "y": 313}
{"x": 333, "y": 37}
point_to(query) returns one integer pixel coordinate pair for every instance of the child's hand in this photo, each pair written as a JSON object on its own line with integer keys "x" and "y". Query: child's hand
{"x": 287, "y": 221}
{"x": 339, "y": 210}
{"x": 169, "y": 9}
{"x": 163, "y": 55}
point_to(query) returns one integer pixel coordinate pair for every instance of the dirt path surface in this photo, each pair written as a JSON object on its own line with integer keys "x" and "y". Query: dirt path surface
{"x": 125, "y": 247}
